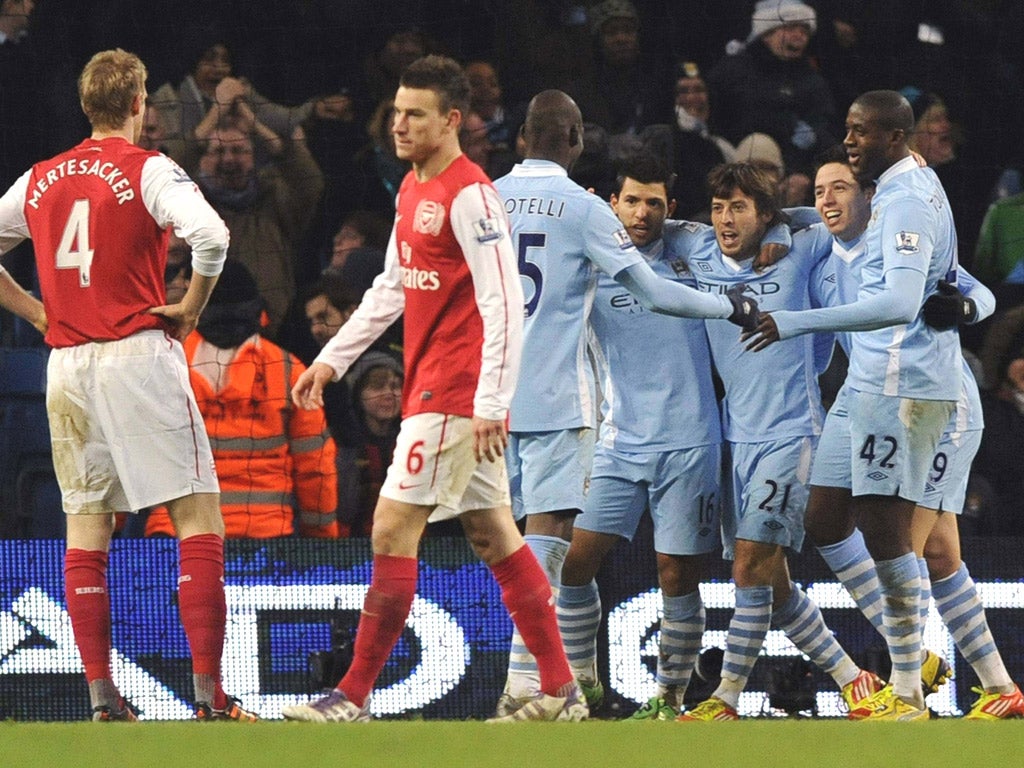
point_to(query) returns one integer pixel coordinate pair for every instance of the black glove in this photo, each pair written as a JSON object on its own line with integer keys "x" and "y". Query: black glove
{"x": 745, "y": 313}
{"x": 949, "y": 308}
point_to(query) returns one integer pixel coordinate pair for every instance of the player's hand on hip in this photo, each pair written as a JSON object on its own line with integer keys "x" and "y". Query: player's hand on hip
{"x": 490, "y": 438}
{"x": 182, "y": 319}
{"x": 308, "y": 392}
{"x": 763, "y": 335}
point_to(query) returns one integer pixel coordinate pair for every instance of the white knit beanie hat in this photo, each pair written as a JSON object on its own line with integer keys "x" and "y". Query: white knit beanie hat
{"x": 771, "y": 14}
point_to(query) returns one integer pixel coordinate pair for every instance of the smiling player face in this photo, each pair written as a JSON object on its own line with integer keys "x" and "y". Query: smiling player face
{"x": 867, "y": 143}
{"x": 842, "y": 204}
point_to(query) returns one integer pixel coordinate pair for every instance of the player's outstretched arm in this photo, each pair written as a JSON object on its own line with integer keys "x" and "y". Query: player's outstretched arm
{"x": 898, "y": 304}
{"x": 660, "y": 295}
{"x": 308, "y": 392}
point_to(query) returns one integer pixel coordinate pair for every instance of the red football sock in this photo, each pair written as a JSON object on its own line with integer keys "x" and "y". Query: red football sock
{"x": 387, "y": 605}
{"x": 204, "y": 611}
{"x": 527, "y": 596}
{"x": 85, "y": 588}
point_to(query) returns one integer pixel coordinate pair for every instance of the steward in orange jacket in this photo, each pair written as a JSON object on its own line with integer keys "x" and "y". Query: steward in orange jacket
{"x": 275, "y": 463}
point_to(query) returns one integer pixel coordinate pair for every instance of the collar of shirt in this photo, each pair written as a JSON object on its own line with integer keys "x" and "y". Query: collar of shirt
{"x": 848, "y": 250}
{"x": 908, "y": 163}
{"x": 653, "y": 250}
{"x": 538, "y": 168}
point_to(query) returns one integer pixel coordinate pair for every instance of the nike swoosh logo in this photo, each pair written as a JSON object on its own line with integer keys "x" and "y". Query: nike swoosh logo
{"x": 403, "y": 487}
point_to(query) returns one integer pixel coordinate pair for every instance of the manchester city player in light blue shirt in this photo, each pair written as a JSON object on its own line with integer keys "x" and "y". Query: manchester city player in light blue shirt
{"x": 844, "y": 204}
{"x": 659, "y": 448}
{"x": 904, "y": 376}
{"x": 772, "y": 415}
{"x": 563, "y": 236}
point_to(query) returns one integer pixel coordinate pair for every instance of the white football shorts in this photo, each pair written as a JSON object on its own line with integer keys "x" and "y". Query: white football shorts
{"x": 124, "y": 425}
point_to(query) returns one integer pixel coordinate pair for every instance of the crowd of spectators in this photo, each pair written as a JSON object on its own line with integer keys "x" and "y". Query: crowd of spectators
{"x": 280, "y": 112}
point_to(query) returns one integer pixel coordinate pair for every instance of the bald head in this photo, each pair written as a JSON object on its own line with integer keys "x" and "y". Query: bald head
{"x": 553, "y": 129}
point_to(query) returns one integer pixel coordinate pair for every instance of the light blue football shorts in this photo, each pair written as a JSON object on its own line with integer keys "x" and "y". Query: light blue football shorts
{"x": 549, "y": 471}
{"x": 893, "y": 442}
{"x": 769, "y": 485}
{"x": 680, "y": 487}
{"x": 946, "y": 488}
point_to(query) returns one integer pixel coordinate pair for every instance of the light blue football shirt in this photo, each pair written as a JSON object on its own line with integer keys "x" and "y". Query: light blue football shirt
{"x": 772, "y": 394}
{"x": 655, "y": 369}
{"x": 911, "y": 228}
{"x": 842, "y": 286}
{"x": 561, "y": 233}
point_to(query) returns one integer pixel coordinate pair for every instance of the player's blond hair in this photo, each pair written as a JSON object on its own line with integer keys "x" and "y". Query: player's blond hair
{"x": 108, "y": 85}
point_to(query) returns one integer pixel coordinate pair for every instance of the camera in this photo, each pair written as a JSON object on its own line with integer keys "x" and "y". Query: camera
{"x": 325, "y": 668}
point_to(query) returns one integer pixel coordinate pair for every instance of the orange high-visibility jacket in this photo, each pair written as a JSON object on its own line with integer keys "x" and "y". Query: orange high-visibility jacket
{"x": 275, "y": 462}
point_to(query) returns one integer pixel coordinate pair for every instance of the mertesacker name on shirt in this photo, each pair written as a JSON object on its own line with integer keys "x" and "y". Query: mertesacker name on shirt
{"x": 106, "y": 170}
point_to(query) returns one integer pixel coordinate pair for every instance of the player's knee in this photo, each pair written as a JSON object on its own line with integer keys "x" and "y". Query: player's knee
{"x": 580, "y": 566}
{"x": 828, "y": 518}
{"x": 196, "y": 515}
{"x": 752, "y": 569}
{"x": 942, "y": 557}
{"x": 678, "y": 575}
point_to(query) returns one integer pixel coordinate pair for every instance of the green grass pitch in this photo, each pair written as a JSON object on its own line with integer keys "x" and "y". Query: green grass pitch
{"x": 394, "y": 744}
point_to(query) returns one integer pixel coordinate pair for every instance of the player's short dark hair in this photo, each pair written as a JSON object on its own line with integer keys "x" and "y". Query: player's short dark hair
{"x": 752, "y": 181}
{"x": 890, "y": 109}
{"x": 646, "y": 168}
{"x": 440, "y": 74}
{"x": 837, "y": 154}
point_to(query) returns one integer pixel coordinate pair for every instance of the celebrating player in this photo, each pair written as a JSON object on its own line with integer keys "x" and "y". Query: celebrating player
{"x": 561, "y": 233}
{"x": 904, "y": 378}
{"x": 771, "y": 433}
{"x": 844, "y": 204}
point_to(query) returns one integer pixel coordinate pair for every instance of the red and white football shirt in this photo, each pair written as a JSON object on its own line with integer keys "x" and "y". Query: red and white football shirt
{"x": 451, "y": 267}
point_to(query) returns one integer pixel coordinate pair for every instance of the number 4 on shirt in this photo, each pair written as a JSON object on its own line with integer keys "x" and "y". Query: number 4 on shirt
{"x": 74, "y": 251}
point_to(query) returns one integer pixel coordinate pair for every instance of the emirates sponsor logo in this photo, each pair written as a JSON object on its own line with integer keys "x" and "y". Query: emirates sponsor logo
{"x": 417, "y": 279}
